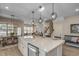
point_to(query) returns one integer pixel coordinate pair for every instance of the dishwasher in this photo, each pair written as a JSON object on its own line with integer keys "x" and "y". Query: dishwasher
{"x": 33, "y": 50}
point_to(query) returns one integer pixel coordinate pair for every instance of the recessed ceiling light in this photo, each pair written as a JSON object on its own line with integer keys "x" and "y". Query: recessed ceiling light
{"x": 7, "y": 7}
{"x": 76, "y": 10}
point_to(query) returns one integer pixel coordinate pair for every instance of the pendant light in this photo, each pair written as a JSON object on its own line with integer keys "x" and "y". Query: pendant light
{"x": 33, "y": 24}
{"x": 54, "y": 14}
{"x": 33, "y": 17}
{"x": 12, "y": 33}
{"x": 40, "y": 20}
{"x": 12, "y": 16}
{"x": 41, "y": 8}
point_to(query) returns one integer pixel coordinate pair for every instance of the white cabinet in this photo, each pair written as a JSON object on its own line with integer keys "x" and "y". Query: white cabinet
{"x": 59, "y": 50}
{"x": 22, "y": 45}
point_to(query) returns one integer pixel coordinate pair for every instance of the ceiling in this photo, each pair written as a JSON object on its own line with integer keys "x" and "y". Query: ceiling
{"x": 24, "y": 10}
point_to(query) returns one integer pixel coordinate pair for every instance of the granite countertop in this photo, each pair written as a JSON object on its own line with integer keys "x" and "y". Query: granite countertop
{"x": 46, "y": 44}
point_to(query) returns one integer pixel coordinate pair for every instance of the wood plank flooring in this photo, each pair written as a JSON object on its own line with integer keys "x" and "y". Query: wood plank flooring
{"x": 11, "y": 51}
{"x": 70, "y": 51}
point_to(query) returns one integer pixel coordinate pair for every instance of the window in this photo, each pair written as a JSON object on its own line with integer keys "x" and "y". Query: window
{"x": 28, "y": 29}
{"x": 3, "y": 30}
{"x": 19, "y": 31}
{"x": 10, "y": 29}
{"x": 7, "y": 29}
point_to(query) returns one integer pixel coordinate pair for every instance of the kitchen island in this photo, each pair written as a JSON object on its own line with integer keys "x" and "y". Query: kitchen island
{"x": 45, "y": 46}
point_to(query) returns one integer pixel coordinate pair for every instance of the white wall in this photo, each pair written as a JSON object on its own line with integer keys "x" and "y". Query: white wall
{"x": 67, "y": 22}
{"x": 62, "y": 27}
{"x": 58, "y": 26}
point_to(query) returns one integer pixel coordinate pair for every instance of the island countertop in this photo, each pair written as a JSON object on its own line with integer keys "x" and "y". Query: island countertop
{"x": 44, "y": 43}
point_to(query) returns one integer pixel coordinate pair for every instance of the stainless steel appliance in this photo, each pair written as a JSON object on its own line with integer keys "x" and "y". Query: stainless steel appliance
{"x": 33, "y": 50}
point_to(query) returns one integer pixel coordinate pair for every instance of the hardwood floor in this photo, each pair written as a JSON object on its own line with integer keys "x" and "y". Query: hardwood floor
{"x": 12, "y": 51}
{"x": 70, "y": 51}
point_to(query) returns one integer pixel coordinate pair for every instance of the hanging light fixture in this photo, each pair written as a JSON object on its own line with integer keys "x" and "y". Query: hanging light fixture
{"x": 12, "y": 33}
{"x": 33, "y": 24}
{"x": 33, "y": 17}
{"x": 54, "y": 14}
{"x": 40, "y": 20}
{"x": 12, "y": 16}
{"x": 41, "y": 8}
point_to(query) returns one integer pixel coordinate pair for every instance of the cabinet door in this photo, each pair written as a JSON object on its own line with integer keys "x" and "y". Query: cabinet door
{"x": 52, "y": 52}
{"x": 20, "y": 46}
{"x": 56, "y": 52}
{"x": 59, "y": 50}
{"x": 41, "y": 52}
{"x": 25, "y": 52}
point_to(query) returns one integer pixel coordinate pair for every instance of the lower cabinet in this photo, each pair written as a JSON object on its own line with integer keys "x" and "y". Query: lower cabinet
{"x": 22, "y": 46}
{"x": 33, "y": 50}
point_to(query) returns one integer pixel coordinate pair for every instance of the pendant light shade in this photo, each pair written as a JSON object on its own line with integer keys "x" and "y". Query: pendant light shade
{"x": 33, "y": 17}
{"x": 41, "y": 8}
{"x": 12, "y": 17}
{"x": 12, "y": 25}
{"x": 40, "y": 20}
{"x": 33, "y": 22}
{"x": 54, "y": 14}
